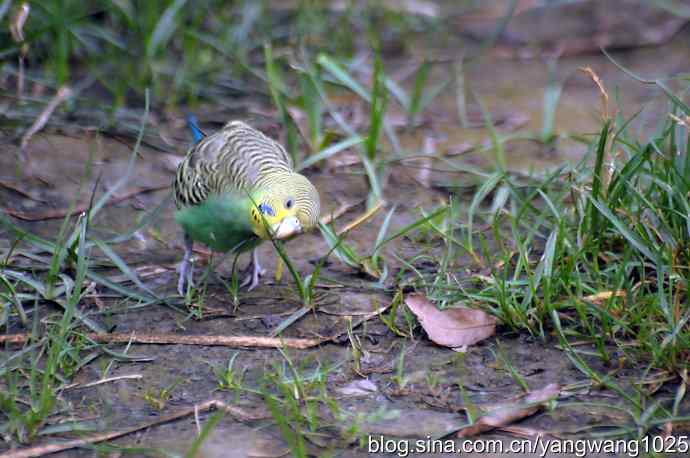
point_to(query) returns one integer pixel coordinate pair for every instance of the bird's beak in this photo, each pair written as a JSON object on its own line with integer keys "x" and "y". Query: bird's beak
{"x": 286, "y": 228}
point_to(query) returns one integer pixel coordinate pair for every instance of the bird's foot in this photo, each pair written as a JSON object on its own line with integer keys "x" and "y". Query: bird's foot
{"x": 253, "y": 272}
{"x": 252, "y": 279}
{"x": 186, "y": 270}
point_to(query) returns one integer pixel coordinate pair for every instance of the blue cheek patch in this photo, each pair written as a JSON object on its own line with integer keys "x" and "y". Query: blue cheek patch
{"x": 266, "y": 209}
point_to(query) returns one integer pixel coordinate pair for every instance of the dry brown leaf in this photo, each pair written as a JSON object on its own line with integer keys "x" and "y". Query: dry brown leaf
{"x": 602, "y": 91}
{"x": 601, "y": 297}
{"x": 504, "y": 413}
{"x": 452, "y": 327}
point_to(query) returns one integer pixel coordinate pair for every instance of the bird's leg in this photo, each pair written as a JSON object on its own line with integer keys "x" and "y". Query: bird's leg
{"x": 186, "y": 268}
{"x": 254, "y": 272}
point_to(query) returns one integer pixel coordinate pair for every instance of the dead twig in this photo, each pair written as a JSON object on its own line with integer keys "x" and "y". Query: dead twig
{"x": 207, "y": 340}
{"x": 214, "y": 404}
{"x": 340, "y": 211}
{"x": 14, "y": 188}
{"x": 260, "y": 317}
{"x": 61, "y": 213}
{"x": 602, "y": 91}
{"x": 17, "y": 32}
{"x": 179, "y": 339}
{"x": 361, "y": 219}
{"x": 63, "y": 94}
{"x": 105, "y": 380}
{"x": 603, "y": 296}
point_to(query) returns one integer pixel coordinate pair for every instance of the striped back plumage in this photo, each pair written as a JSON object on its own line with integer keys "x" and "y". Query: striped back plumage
{"x": 236, "y": 158}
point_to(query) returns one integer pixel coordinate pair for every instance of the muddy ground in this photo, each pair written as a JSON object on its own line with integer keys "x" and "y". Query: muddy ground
{"x": 512, "y": 90}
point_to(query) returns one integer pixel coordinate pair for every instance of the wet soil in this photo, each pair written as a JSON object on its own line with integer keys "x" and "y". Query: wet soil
{"x": 511, "y": 89}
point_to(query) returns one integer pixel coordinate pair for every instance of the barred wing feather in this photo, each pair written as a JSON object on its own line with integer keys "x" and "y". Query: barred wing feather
{"x": 238, "y": 157}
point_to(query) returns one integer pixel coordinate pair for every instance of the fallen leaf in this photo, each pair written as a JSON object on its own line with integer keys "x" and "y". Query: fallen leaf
{"x": 601, "y": 297}
{"x": 504, "y": 413}
{"x": 451, "y": 327}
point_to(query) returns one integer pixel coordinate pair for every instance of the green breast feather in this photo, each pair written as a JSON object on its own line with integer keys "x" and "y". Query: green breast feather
{"x": 222, "y": 222}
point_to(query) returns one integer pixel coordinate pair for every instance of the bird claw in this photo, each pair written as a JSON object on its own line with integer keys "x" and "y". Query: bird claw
{"x": 254, "y": 273}
{"x": 252, "y": 279}
{"x": 186, "y": 268}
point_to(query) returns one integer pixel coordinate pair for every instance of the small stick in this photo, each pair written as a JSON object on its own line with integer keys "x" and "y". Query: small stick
{"x": 62, "y": 94}
{"x": 61, "y": 213}
{"x": 196, "y": 420}
{"x": 105, "y": 380}
{"x": 20, "y": 191}
{"x": 179, "y": 339}
{"x": 40, "y": 450}
{"x": 259, "y": 317}
{"x": 344, "y": 208}
{"x": 17, "y": 32}
{"x": 204, "y": 340}
{"x": 362, "y": 219}
{"x": 602, "y": 91}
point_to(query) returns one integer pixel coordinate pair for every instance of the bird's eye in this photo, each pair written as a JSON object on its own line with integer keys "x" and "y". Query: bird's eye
{"x": 289, "y": 203}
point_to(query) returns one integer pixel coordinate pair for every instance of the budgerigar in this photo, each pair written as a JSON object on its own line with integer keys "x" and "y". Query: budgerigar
{"x": 235, "y": 189}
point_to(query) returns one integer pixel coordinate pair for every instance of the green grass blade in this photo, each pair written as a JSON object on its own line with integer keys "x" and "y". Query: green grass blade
{"x": 379, "y": 100}
{"x": 341, "y": 250}
{"x": 412, "y": 226}
{"x": 332, "y": 150}
{"x": 488, "y": 186}
{"x": 287, "y": 322}
{"x": 626, "y": 70}
{"x": 624, "y": 229}
{"x": 275, "y": 85}
{"x": 130, "y": 164}
{"x": 206, "y": 431}
{"x": 165, "y": 28}
{"x": 382, "y": 235}
{"x": 122, "y": 265}
{"x": 342, "y": 76}
{"x": 398, "y": 93}
{"x": 148, "y": 218}
{"x": 421, "y": 76}
{"x": 597, "y": 174}
{"x": 552, "y": 95}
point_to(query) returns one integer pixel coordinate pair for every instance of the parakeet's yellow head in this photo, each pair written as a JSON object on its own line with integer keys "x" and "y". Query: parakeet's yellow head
{"x": 288, "y": 203}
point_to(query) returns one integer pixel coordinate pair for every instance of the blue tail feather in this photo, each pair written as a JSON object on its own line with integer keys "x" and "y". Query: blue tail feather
{"x": 193, "y": 124}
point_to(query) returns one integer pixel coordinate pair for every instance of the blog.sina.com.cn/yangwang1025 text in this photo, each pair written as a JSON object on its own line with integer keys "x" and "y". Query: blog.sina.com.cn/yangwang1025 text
{"x": 538, "y": 446}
